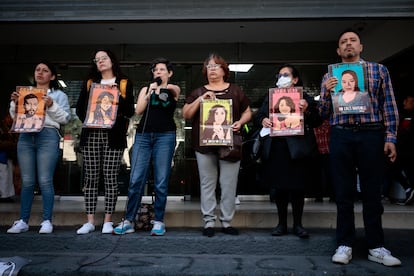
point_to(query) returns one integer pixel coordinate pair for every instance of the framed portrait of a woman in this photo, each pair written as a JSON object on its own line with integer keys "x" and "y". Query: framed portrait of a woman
{"x": 350, "y": 95}
{"x": 215, "y": 123}
{"x": 102, "y": 106}
{"x": 285, "y": 114}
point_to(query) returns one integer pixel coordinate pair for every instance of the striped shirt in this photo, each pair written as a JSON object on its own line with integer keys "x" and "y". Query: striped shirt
{"x": 384, "y": 107}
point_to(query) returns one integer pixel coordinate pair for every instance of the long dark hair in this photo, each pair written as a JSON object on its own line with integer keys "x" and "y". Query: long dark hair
{"x": 211, "y": 114}
{"x": 354, "y": 76}
{"x": 97, "y": 115}
{"x": 94, "y": 73}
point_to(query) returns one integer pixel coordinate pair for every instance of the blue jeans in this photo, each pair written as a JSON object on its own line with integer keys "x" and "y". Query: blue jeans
{"x": 158, "y": 147}
{"x": 362, "y": 149}
{"x": 38, "y": 154}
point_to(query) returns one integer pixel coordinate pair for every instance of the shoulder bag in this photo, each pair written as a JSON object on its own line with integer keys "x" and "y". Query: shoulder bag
{"x": 232, "y": 153}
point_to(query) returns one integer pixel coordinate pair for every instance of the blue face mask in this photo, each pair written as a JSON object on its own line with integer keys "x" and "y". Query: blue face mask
{"x": 284, "y": 82}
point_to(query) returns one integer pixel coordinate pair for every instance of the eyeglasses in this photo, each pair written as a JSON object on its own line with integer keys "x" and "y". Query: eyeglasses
{"x": 282, "y": 75}
{"x": 213, "y": 66}
{"x": 96, "y": 60}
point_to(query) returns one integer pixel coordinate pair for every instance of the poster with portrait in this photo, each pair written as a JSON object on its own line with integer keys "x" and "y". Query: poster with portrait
{"x": 350, "y": 95}
{"x": 102, "y": 106}
{"x": 284, "y": 111}
{"x": 30, "y": 110}
{"x": 216, "y": 117}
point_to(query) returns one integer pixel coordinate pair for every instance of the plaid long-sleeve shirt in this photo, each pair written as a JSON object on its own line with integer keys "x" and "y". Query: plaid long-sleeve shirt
{"x": 384, "y": 107}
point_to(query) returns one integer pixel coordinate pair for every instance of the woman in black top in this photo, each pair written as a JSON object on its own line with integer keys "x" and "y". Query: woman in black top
{"x": 287, "y": 175}
{"x": 155, "y": 140}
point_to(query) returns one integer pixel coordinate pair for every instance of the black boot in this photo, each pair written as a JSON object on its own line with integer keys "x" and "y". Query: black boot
{"x": 300, "y": 232}
{"x": 282, "y": 210}
{"x": 280, "y": 230}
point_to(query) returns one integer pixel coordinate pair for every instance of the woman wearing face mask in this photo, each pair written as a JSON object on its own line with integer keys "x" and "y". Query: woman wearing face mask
{"x": 288, "y": 183}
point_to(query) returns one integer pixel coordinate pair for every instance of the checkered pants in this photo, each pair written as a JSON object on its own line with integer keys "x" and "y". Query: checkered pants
{"x": 97, "y": 158}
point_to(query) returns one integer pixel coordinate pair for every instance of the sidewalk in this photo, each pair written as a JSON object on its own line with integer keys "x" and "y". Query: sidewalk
{"x": 184, "y": 251}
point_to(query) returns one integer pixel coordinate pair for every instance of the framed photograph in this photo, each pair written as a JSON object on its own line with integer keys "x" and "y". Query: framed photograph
{"x": 30, "y": 110}
{"x": 216, "y": 117}
{"x": 284, "y": 111}
{"x": 350, "y": 95}
{"x": 102, "y": 106}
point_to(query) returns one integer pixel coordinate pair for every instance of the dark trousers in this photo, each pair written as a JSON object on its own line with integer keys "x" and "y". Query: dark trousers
{"x": 362, "y": 149}
{"x": 297, "y": 199}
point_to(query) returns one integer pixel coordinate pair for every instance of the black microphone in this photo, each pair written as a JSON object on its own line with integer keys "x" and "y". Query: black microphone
{"x": 158, "y": 80}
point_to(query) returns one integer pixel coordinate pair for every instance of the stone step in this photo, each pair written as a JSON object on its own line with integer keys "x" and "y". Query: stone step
{"x": 253, "y": 212}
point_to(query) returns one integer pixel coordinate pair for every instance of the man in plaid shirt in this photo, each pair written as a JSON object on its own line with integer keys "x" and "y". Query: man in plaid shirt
{"x": 363, "y": 142}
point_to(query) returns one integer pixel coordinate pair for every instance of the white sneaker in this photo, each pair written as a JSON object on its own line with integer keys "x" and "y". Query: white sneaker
{"x": 86, "y": 229}
{"x": 343, "y": 255}
{"x": 19, "y": 226}
{"x": 107, "y": 228}
{"x": 124, "y": 227}
{"x": 237, "y": 201}
{"x": 46, "y": 227}
{"x": 383, "y": 256}
{"x": 158, "y": 229}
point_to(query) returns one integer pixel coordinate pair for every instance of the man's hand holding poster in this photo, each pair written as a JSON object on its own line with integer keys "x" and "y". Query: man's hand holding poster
{"x": 102, "y": 106}
{"x": 284, "y": 111}
{"x": 216, "y": 117}
{"x": 30, "y": 110}
{"x": 350, "y": 95}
